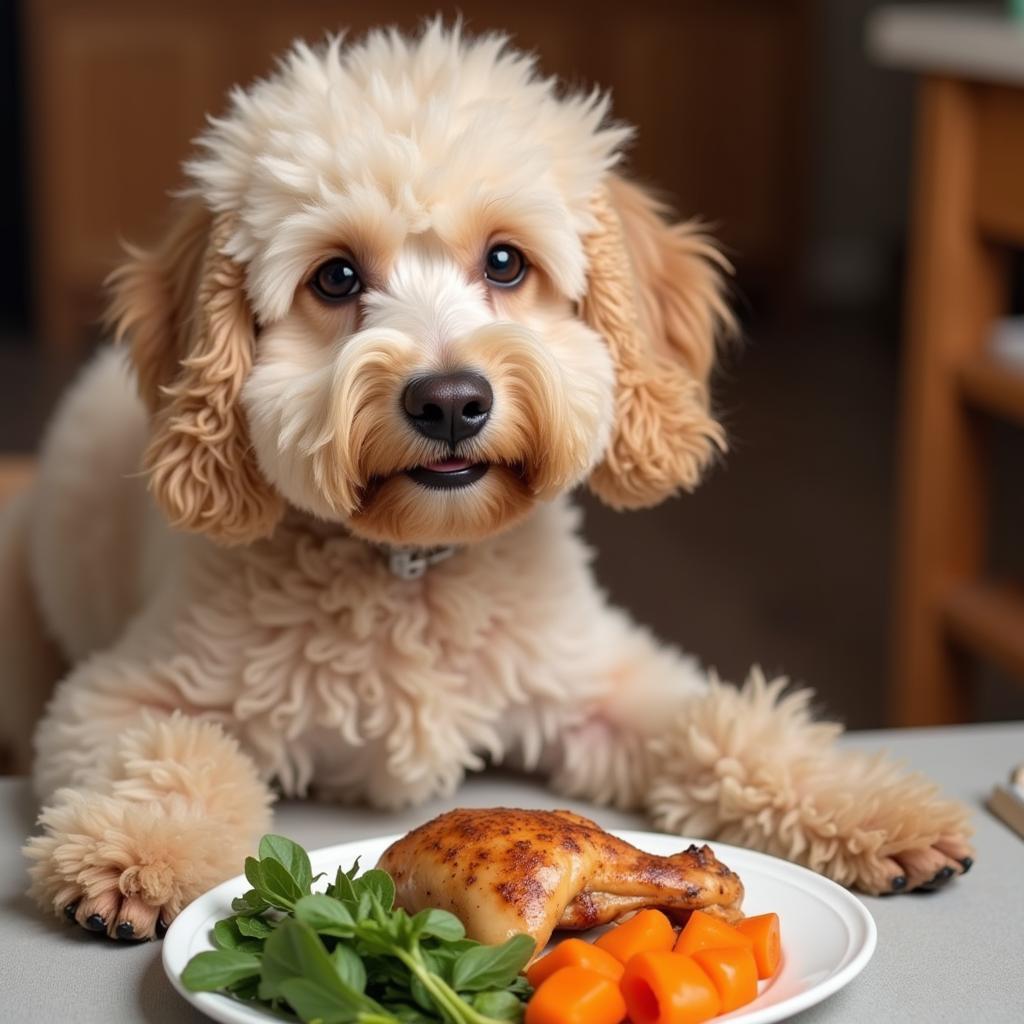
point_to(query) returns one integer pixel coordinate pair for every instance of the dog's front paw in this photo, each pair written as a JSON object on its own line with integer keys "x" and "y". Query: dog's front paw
{"x": 118, "y": 915}
{"x": 891, "y": 832}
{"x": 751, "y": 767}
{"x": 896, "y": 833}
{"x": 123, "y": 868}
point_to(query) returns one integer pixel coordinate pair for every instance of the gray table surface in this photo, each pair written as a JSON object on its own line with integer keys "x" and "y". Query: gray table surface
{"x": 956, "y": 956}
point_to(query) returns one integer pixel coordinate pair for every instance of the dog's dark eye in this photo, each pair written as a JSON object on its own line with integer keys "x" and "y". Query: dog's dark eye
{"x": 336, "y": 280}
{"x": 505, "y": 266}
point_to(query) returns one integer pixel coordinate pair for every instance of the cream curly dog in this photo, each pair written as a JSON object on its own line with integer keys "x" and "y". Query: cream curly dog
{"x": 406, "y": 304}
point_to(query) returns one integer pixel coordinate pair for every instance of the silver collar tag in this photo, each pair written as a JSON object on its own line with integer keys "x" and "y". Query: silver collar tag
{"x": 412, "y": 563}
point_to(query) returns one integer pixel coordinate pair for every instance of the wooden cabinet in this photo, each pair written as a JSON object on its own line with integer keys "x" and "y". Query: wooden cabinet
{"x": 116, "y": 90}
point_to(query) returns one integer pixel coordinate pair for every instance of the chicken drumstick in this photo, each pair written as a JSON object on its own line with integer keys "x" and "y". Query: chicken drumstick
{"x": 504, "y": 872}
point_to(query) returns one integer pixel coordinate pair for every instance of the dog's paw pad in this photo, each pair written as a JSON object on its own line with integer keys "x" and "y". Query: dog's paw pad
{"x": 121, "y": 917}
{"x": 920, "y": 867}
{"x": 933, "y": 867}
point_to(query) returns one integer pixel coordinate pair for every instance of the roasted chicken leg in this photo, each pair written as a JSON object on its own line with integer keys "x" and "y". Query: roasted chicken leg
{"x": 505, "y": 871}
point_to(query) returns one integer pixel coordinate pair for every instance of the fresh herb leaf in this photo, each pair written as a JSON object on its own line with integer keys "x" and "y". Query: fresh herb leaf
{"x": 325, "y": 915}
{"x": 218, "y": 968}
{"x": 379, "y": 883}
{"x": 249, "y": 903}
{"x": 500, "y": 1005}
{"x": 486, "y": 967}
{"x": 254, "y": 927}
{"x": 279, "y": 888}
{"x": 364, "y": 906}
{"x": 294, "y": 951}
{"x": 440, "y": 924}
{"x": 373, "y": 939}
{"x": 344, "y": 889}
{"x": 520, "y": 987}
{"x": 442, "y": 956}
{"x": 225, "y": 934}
{"x": 254, "y": 875}
{"x": 410, "y": 1015}
{"x": 247, "y": 988}
{"x": 295, "y": 954}
{"x": 313, "y": 1002}
{"x": 291, "y": 856}
{"x": 350, "y": 967}
{"x": 228, "y": 935}
{"x": 386, "y": 970}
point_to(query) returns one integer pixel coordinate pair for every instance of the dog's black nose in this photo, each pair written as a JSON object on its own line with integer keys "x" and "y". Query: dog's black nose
{"x": 448, "y": 406}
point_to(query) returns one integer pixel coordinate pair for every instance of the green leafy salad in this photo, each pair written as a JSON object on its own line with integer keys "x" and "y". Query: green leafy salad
{"x": 347, "y": 955}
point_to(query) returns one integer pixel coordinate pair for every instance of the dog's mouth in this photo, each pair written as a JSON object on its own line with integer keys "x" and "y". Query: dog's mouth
{"x": 448, "y": 474}
{"x": 448, "y": 498}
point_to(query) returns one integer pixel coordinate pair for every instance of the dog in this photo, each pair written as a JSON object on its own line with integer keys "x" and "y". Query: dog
{"x": 308, "y": 526}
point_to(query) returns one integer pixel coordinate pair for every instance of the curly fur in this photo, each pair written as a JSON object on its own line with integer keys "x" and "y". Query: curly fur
{"x": 152, "y": 300}
{"x": 199, "y": 457}
{"x": 655, "y": 295}
{"x": 236, "y": 627}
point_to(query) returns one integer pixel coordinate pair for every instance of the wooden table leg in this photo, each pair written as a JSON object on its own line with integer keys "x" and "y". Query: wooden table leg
{"x": 957, "y": 287}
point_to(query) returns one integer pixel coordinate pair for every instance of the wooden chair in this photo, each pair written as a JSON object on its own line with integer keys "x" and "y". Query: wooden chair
{"x": 967, "y": 216}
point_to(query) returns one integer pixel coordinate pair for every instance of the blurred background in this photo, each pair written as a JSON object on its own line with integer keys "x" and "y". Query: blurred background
{"x": 769, "y": 118}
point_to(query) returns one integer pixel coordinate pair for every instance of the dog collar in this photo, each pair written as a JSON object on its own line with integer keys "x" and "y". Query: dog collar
{"x": 412, "y": 563}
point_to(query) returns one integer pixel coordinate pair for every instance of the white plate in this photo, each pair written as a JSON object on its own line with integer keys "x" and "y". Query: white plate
{"x": 827, "y": 934}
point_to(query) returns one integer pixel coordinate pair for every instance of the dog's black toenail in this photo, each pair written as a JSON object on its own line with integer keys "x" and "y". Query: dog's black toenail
{"x": 95, "y": 923}
{"x": 943, "y": 875}
{"x": 161, "y": 928}
{"x": 967, "y": 863}
{"x": 899, "y": 882}
{"x": 69, "y": 911}
{"x": 126, "y": 930}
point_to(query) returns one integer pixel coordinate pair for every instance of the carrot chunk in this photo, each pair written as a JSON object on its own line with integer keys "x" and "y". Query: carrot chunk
{"x": 646, "y": 932}
{"x": 574, "y": 995}
{"x": 703, "y": 931}
{"x": 733, "y": 972}
{"x": 574, "y": 953}
{"x": 766, "y": 939}
{"x": 666, "y": 988}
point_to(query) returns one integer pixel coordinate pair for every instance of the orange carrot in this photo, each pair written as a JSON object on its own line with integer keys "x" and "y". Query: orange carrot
{"x": 733, "y": 972}
{"x": 666, "y": 988}
{"x": 574, "y": 995}
{"x": 703, "y": 931}
{"x": 646, "y": 932}
{"x": 573, "y": 953}
{"x": 766, "y": 939}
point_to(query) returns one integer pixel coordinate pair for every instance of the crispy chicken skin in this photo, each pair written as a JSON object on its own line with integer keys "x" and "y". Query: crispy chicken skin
{"x": 505, "y": 871}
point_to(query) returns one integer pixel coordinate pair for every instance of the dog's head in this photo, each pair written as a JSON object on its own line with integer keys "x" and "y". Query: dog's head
{"x": 408, "y": 292}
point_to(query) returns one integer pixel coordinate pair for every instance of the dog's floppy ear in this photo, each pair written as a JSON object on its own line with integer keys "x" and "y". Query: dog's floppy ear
{"x": 182, "y": 308}
{"x": 655, "y": 293}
